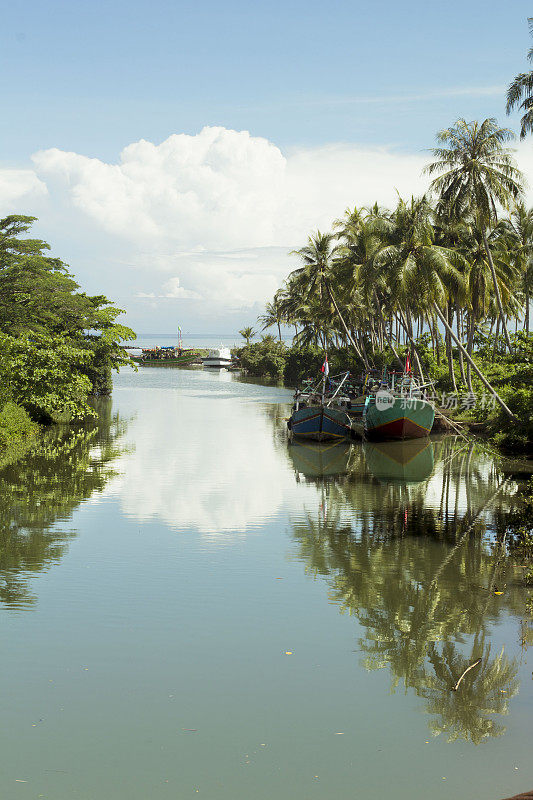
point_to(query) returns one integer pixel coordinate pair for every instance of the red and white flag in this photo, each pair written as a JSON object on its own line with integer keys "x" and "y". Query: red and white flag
{"x": 325, "y": 367}
{"x": 407, "y": 363}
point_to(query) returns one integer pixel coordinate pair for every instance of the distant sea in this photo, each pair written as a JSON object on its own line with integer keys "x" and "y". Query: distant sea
{"x": 200, "y": 340}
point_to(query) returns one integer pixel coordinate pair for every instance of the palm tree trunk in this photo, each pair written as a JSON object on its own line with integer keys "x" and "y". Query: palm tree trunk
{"x": 469, "y": 344}
{"x": 496, "y": 290}
{"x": 347, "y": 332}
{"x": 279, "y": 329}
{"x": 496, "y": 335}
{"x": 478, "y": 372}
{"x": 387, "y": 336}
{"x": 460, "y": 337}
{"x": 449, "y": 349}
{"x": 409, "y": 334}
{"x": 526, "y": 321}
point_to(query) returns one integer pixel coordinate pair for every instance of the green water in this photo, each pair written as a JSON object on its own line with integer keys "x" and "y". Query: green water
{"x": 192, "y": 607}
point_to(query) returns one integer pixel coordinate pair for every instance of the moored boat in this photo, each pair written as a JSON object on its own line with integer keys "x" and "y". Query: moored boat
{"x": 398, "y": 411}
{"x": 318, "y": 415}
{"x": 320, "y": 423}
{"x": 218, "y": 357}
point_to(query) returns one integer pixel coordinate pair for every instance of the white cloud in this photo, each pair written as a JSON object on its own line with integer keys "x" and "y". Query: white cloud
{"x": 173, "y": 289}
{"x": 218, "y": 189}
{"x": 19, "y": 185}
{"x": 216, "y": 214}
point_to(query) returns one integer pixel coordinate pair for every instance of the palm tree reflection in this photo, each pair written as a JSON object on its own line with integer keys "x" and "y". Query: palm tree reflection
{"x": 419, "y": 577}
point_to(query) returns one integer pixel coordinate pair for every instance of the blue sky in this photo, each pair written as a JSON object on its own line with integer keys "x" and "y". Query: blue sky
{"x": 357, "y": 79}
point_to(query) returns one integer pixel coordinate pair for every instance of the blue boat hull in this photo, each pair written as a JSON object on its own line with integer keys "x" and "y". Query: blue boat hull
{"x": 320, "y": 423}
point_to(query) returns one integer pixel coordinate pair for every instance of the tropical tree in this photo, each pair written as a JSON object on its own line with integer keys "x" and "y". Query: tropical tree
{"x": 316, "y": 276}
{"x": 273, "y": 315}
{"x": 522, "y": 87}
{"x": 519, "y": 229}
{"x": 476, "y": 173}
{"x": 247, "y": 333}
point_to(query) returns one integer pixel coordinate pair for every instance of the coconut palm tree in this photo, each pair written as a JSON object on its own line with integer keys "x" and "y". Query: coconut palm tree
{"x": 478, "y": 277}
{"x": 273, "y": 315}
{"x": 522, "y": 87}
{"x": 247, "y": 333}
{"x": 316, "y": 277}
{"x": 423, "y": 274}
{"x": 477, "y": 173}
{"x": 519, "y": 228}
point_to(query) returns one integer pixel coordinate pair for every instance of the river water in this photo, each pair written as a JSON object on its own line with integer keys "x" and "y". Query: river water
{"x": 191, "y": 606}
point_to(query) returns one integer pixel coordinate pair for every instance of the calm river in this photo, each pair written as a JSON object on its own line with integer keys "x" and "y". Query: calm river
{"x": 192, "y": 607}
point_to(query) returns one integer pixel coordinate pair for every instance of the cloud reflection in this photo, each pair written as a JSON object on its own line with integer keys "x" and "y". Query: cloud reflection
{"x": 214, "y": 467}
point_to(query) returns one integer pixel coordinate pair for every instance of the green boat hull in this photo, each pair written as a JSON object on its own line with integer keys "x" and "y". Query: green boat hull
{"x": 404, "y": 418}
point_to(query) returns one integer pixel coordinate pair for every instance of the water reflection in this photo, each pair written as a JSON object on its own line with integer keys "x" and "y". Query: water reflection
{"x": 400, "y": 535}
{"x": 409, "y": 461}
{"x": 67, "y": 466}
{"x": 216, "y": 467}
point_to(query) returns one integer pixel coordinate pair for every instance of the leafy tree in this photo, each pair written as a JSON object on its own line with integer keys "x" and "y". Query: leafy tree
{"x": 38, "y": 296}
{"x": 45, "y": 375}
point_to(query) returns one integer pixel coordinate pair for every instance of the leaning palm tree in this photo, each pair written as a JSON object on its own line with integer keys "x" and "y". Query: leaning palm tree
{"x": 477, "y": 173}
{"x": 522, "y": 87}
{"x": 423, "y": 274}
{"x": 315, "y": 276}
{"x": 247, "y": 333}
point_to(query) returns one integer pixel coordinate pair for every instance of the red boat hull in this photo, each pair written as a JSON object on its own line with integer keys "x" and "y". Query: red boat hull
{"x": 402, "y": 428}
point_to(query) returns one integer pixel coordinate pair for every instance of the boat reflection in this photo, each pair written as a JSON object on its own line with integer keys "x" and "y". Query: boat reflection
{"x": 316, "y": 461}
{"x": 401, "y": 461}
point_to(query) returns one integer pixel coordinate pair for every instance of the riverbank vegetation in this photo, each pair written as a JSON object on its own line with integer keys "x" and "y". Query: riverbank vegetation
{"x": 445, "y": 277}
{"x": 58, "y": 345}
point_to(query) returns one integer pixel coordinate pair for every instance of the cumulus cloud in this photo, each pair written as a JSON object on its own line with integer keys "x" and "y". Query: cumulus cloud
{"x": 216, "y": 213}
{"x": 217, "y": 189}
{"x": 18, "y": 185}
{"x": 173, "y": 289}
{"x": 223, "y": 189}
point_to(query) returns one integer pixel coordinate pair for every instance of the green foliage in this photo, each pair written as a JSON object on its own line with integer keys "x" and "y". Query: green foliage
{"x": 17, "y": 432}
{"x": 263, "y": 359}
{"x": 58, "y": 345}
{"x": 39, "y": 297}
{"x": 44, "y": 374}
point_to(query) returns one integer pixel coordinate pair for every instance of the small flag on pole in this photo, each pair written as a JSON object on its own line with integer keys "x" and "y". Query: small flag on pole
{"x": 325, "y": 368}
{"x": 407, "y": 363}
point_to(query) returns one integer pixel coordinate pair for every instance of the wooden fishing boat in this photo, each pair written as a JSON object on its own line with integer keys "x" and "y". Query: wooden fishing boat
{"x": 320, "y": 423}
{"x": 162, "y": 356}
{"x": 398, "y": 410}
{"x": 318, "y": 415}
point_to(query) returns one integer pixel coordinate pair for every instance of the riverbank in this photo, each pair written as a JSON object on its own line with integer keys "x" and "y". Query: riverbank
{"x": 58, "y": 345}
{"x": 510, "y": 374}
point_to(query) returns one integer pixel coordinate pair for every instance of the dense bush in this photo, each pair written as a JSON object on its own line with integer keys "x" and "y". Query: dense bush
{"x": 266, "y": 358}
{"x": 44, "y": 375}
{"x": 15, "y": 425}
